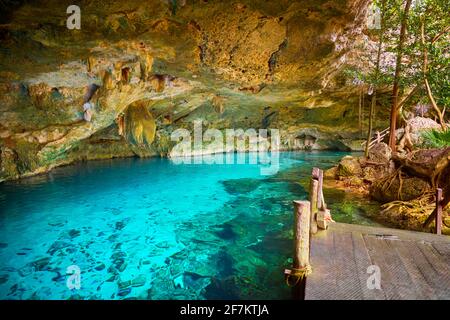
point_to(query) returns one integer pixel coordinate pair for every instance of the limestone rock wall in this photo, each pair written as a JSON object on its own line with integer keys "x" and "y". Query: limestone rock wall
{"x": 231, "y": 64}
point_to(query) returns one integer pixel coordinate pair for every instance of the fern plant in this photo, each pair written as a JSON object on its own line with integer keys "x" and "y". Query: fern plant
{"x": 436, "y": 138}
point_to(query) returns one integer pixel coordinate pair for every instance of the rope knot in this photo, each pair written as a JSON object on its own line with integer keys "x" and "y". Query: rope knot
{"x": 298, "y": 274}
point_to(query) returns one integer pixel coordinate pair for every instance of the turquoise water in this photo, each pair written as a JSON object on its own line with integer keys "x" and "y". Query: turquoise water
{"x": 152, "y": 229}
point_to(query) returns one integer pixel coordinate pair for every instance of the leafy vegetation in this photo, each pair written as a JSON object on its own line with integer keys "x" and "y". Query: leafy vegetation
{"x": 408, "y": 54}
{"x": 436, "y": 138}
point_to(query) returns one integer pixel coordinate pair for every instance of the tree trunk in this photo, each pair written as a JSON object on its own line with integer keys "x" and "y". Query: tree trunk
{"x": 360, "y": 111}
{"x": 395, "y": 90}
{"x": 425, "y": 71}
{"x": 369, "y": 131}
{"x": 377, "y": 72}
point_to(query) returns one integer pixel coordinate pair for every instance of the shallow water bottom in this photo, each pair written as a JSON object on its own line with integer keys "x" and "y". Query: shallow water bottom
{"x": 153, "y": 229}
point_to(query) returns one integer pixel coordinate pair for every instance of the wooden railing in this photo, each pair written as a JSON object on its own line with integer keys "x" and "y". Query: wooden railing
{"x": 377, "y": 137}
{"x": 436, "y": 215}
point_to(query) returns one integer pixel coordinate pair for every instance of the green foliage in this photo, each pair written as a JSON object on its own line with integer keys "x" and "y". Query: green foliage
{"x": 436, "y": 138}
{"x": 434, "y": 14}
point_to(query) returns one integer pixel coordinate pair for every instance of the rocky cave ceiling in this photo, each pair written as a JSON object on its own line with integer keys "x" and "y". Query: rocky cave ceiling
{"x": 232, "y": 64}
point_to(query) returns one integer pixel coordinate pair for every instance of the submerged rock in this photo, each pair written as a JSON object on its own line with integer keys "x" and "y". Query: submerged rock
{"x": 239, "y": 186}
{"x": 226, "y": 232}
{"x": 124, "y": 292}
{"x": 190, "y": 280}
{"x": 4, "y": 278}
{"x": 100, "y": 267}
{"x": 229, "y": 288}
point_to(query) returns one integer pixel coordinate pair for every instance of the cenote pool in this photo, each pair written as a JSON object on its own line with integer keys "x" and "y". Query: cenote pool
{"x": 152, "y": 229}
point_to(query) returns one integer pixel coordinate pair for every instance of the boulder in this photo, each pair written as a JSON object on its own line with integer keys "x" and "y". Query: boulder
{"x": 354, "y": 181}
{"x": 330, "y": 173}
{"x": 380, "y": 152}
{"x": 411, "y": 188}
{"x": 369, "y": 174}
{"x": 418, "y": 125}
{"x": 349, "y": 166}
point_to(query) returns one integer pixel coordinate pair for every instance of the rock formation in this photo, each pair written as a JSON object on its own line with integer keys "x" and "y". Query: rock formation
{"x": 220, "y": 62}
{"x": 404, "y": 183}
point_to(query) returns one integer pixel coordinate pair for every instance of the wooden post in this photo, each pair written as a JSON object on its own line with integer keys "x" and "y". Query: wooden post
{"x": 438, "y": 221}
{"x": 322, "y": 211}
{"x": 313, "y": 198}
{"x": 320, "y": 199}
{"x": 301, "y": 244}
{"x": 360, "y": 112}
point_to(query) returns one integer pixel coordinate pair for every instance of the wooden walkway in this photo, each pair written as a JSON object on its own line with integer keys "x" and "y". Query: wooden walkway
{"x": 413, "y": 265}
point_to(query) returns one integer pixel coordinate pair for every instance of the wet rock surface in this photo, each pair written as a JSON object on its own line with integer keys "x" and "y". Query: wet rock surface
{"x": 241, "y": 65}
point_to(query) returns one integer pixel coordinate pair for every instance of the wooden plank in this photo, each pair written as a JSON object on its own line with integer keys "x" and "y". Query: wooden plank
{"x": 301, "y": 233}
{"x": 321, "y": 284}
{"x": 320, "y": 198}
{"x": 425, "y": 266}
{"x": 315, "y": 173}
{"x": 401, "y": 277}
{"x": 403, "y": 234}
{"x": 363, "y": 261}
{"x": 375, "y": 249}
{"x": 415, "y": 264}
{"x": 443, "y": 249}
{"x": 439, "y": 270}
{"x": 348, "y": 285}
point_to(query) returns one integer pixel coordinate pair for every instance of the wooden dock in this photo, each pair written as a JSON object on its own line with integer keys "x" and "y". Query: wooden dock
{"x": 353, "y": 262}
{"x": 412, "y": 265}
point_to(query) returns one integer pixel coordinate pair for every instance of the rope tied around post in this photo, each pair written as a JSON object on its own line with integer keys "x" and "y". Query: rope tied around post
{"x": 297, "y": 273}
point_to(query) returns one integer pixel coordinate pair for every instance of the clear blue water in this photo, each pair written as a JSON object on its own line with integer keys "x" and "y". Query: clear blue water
{"x": 152, "y": 229}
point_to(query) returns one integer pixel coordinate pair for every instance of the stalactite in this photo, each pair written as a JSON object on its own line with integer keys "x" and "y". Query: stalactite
{"x": 218, "y": 104}
{"x": 121, "y": 124}
{"x": 139, "y": 126}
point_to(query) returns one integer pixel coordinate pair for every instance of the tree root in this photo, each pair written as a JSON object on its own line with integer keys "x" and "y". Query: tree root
{"x": 389, "y": 180}
{"x": 422, "y": 205}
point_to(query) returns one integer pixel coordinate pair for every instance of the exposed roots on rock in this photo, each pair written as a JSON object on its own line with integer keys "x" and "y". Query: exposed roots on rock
{"x": 390, "y": 179}
{"x": 412, "y": 214}
{"x": 424, "y": 204}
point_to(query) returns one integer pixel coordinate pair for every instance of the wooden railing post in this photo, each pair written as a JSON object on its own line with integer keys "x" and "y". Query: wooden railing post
{"x": 296, "y": 278}
{"x": 314, "y": 198}
{"x": 320, "y": 199}
{"x": 323, "y": 214}
{"x": 438, "y": 221}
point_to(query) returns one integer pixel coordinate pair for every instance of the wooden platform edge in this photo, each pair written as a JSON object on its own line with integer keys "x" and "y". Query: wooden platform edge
{"x": 401, "y": 233}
